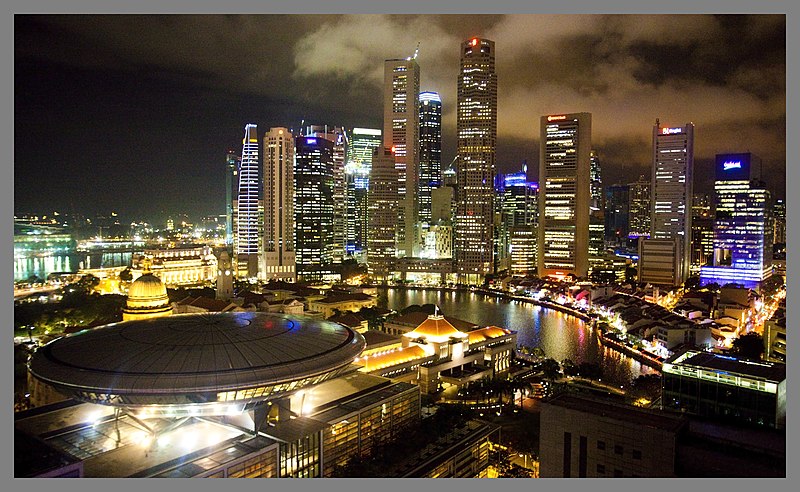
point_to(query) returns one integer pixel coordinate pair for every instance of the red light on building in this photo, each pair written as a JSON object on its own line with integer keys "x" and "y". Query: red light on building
{"x": 393, "y": 147}
{"x": 555, "y": 118}
{"x": 474, "y": 41}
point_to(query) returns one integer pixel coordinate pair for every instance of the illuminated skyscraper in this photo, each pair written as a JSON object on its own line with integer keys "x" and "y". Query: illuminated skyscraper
{"x": 742, "y": 225}
{"x": 232, "y": 163}
{"x": 639, "y": 209}
{"x": 596, "y": 207}
{"x": 617, "y": 214}
{"x": 779, "y": 217}
{"x": 564, "y": 194}
{"x": 247, "y": 215}
{"x": 476, "y": 124}
{"x": 338, "y": 136}
{"x": 671, "y": 196}
{"x": 430, "y": 151}
{"x": 358, "y": 164}
{"x": 401, "y": 134}
{"x": 313, "y": 206}
{"x": 278, "y": 258}
{"x": 383, "y": 208}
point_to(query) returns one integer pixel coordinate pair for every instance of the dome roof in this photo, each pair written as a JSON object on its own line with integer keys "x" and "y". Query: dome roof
{"x": 436, "y": 329}
{"x": 147, "y": 286}
{"x": 196, "y": 358}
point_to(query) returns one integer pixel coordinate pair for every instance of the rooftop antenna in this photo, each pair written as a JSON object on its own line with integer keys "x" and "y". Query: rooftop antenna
{"x": 416, "y": 51}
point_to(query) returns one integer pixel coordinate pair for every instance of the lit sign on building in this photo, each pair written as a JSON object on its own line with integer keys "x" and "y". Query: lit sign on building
{"x": 728, "y": 165}
{"x": 554, "y": 118}
{"x": 670, "y": 131}
{"x": 311, "y": 141}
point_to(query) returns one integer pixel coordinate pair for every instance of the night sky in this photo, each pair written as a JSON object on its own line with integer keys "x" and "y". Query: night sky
{"x": 134, "y": 113}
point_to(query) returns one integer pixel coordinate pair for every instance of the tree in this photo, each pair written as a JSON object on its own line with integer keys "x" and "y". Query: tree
{"x": 126, "y": 275}
{"x": 551, "y": 369}
{"x": 692, "y": 283}
{"x": 631, "y": 275}
{"x": 749, "y": 346}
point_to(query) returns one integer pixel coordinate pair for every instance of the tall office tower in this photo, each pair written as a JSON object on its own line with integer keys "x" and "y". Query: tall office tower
{"x": 338, "y": 136}
{"x": 617, "y": 216}
{"x": 277, "y": 257}
{"x": 313, "y": 207}
{"x": 671, "y": 218}
{"x": 596, "y": 207}
{"x": 383, "y": 202}
{"x": 639, "y": 209}
{"x": 247, "y": 216}
{"x": 779, "y": 218}
{"x": 476, "y": 125}
{"x": 742, "y": 224}
{"x": 702, "y": 241}
{"x": 564, "y": 194}
{"x": 516, "y": 231}
{"x": 232, "y": 163}
{"x": 430, "y": 151}
{"x": 401, "y": 134}
{"x": 358, "y": 163}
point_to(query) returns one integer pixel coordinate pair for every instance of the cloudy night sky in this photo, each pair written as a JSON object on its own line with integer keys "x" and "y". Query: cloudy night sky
{"x": 134, "y": 113}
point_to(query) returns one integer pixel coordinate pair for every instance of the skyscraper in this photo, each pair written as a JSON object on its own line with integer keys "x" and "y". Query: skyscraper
{"x": 639, "y": 209}
{"x": 671, "y": 198}
{"x": 564, "y": 194}
{"x": 779, "y": 218}
{"x": 476, "y": 125}
{"x": 401, "y": 135}
{"x": 338, "y": 136}
{"x": 617, "y": 214}
{"x": 518, "y": 223}
{"x": 247, "y": 215}
{"x": 742, "y": 225}
{"x": 313, "y": 206}
{"x": 430, "y": 151}
{"x": 383, "y": 208}
{"x": 358, "y": 164}
{"x": 596, "y": 207}
{"x": 278, "y": 257}
{"x": 232, "y": 163}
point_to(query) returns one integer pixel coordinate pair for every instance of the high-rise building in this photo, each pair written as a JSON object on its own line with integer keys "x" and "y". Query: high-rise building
{"x": 617, "y": 216}
{"x": 516, "y": 231}
{"x": 358, "y": 163}
{"x": 671, "y": 218}
{"x": 247, "y": 206}
{"x": 401, "y": 134}
{"x": 383, "y": 208}
{"x": 779, "y": 218}
{"x": 639, "y": 209}
{"x": 313, "y": 206}
{"x": 564, "y": 194}
{"x": 232, "y": 163}
{"x": 742, "y": 226}
{"x": 338, "y": 136}
{"x": 702, "y": 231}
{"x": 476, "y": 125}
{"x": 430, "y": 151}
{"x": 596, "y": 207}
{"x": 278, "y": 257}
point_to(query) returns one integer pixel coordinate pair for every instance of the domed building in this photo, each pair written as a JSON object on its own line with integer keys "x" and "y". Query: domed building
{"x": 147, "y": 298}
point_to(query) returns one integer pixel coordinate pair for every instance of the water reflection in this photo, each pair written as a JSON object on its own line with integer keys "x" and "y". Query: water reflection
{"x": 560, "y": 335}
{"x": 42, "y": 266}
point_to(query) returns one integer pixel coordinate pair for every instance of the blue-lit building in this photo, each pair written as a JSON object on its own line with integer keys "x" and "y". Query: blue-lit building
{"x": 313, "y": 206}
{"x": 516, "y": 236}
{"x": 358, "y": 164}
{"x": 742, "y": 225}
{"x": 430, "y": 150}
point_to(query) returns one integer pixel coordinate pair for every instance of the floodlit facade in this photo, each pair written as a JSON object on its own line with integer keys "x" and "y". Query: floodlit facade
{"x": 517, "y": 235}
{"x": 671, "y": 201}
{"x": 337, "y": 135}
{"x": 743, "y": 229}
{"x": 313, "y": 206}
{"x": 278, "y": 257}
{"x": 358, "y": 164}
{"x": 401, "y": 135}
{"x": 476, "y": 125}
{"x": 564, "y": 194}
{"x": 184, "y": 265}
{"x": 383, "y": 204}
{"x": 430, "y": 151}
{"x": 247, "y": 219}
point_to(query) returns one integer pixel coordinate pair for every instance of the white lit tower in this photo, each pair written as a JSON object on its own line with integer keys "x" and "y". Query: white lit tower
{"x": 564, "y": 194}
{"x": 596, "y": 208}
{"x": 401, "y": 135}
{"x": 358, "y": 164}
{"x": 278, "y": 258}
{"x": 247, "y": 209}
{"x": 476, "y": 125}
{"x": 383, "y": 208}
{"x": 665, "y": 258}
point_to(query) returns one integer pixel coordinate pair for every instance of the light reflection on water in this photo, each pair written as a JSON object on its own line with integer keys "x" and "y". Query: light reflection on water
{"x": 42, "y": 266}
{"x": 560, "y": 335}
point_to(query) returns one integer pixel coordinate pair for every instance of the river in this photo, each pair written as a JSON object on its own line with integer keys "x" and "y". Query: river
{"x": 560, "y": 335}
{"x": 42, "y": 266}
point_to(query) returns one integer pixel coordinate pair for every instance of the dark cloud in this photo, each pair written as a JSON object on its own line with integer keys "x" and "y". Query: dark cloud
{"x": 174, "y": 91}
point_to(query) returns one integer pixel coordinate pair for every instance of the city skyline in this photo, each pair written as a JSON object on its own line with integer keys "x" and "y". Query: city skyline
{"x": 183, "y": 114}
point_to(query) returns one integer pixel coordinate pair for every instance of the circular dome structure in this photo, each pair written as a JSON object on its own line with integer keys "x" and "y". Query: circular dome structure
{"x": 196, "y": 364}
{"x": 147, "y": 298}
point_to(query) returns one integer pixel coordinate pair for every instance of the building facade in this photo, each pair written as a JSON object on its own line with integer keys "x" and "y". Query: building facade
{"x": 476, "y": 126}
{"x": 232, "y": 163}
{"x": 313, "y": 206}
{"x": 278, "y": 257}
{"x": 247, "y": 219}
{"x": 430, "y": 151}
{"x": 401, "y": 134}
{"x": 596, "y": 207}
{"x": 564, "y": 194}
{"x": 383, "y": 203}
{"x": 671, "y": 218}
{"x": 358, "y": 164}
{"x": 339, "y": 137}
